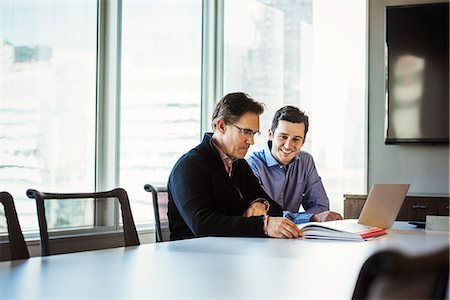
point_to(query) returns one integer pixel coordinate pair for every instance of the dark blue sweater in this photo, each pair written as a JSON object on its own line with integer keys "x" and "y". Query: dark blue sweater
{"x": 205, "y": 201}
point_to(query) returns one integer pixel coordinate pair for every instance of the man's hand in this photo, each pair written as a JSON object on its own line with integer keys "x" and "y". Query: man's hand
{"x": 256, "y": 209}
{"x": 281, "y": 227}
{"x": 326, "y": 216}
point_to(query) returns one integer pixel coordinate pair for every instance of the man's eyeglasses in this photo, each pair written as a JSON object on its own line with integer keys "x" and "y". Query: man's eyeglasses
{"x": 248, "y": 132}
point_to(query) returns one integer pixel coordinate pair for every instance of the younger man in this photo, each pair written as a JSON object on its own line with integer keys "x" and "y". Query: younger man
{"x": 288, "y": 175}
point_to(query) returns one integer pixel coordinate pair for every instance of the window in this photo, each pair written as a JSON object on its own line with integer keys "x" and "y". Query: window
{"x": 153, "y": 100}
{"x": 47, "y": 107}
{"x": 160, "y": 93}
{"x": 310, "y": 54}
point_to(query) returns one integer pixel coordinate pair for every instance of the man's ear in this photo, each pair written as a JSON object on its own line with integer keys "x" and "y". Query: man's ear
{"x": 270, "y": 134}
{"x": 220, "y": 126}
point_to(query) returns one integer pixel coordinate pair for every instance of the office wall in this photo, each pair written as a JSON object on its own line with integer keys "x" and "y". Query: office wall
{"x": 425, "y": 167}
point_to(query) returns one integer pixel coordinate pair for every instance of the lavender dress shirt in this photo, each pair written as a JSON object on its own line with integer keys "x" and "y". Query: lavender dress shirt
{"x": 291, "y": 186}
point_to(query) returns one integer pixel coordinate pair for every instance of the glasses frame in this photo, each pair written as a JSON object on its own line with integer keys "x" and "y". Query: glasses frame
{"x": 247, "y": 132}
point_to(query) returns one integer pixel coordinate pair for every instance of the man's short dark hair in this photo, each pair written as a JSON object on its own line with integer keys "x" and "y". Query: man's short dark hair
{"x": 233, "y": 106}
{"x": 291, "y": 114}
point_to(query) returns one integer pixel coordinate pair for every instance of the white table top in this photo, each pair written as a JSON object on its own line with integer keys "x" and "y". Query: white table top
{"x": 211, "y": 267}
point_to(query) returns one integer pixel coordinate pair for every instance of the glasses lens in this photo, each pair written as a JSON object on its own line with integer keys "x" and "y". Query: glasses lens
{"x": 248, "y": 132}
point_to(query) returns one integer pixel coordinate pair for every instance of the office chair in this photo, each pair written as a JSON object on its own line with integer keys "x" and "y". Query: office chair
{"x": 129, "y": 229}
{"x": 392, "y": 275}
{"x": 160, "y": 200}
{"x": 17, "y": 246}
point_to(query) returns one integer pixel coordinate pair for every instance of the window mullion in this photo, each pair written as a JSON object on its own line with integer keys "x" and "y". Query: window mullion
{"x": 108, "y": 108}
{"x": 212, "y": 59}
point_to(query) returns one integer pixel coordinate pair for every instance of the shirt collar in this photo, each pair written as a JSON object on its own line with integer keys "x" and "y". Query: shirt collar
{"x": 222, "y": 154}
{"x": 270, "y": 160}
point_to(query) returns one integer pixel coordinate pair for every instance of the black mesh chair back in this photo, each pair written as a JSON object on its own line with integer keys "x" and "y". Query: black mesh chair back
{"x": 17, "y": 246}
{"x": 129, "y": 229}
{"x": 160, "y": 201}
{"x": 392, "y": 275}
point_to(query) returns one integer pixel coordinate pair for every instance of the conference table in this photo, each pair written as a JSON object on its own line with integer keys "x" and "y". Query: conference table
{"x": 211, "y": 267}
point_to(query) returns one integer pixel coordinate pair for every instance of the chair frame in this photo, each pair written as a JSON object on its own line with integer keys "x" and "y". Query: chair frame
{"x": 129, "y": 229}
{"x": 17, "y": 246}
{"x": 154, "y": 190}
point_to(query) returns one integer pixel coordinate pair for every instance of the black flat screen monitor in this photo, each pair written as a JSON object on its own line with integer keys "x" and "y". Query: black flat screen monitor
{"x": 417, "y": 43}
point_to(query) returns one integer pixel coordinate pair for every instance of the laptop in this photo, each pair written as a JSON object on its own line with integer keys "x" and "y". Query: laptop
{"x": 383, "y": 205}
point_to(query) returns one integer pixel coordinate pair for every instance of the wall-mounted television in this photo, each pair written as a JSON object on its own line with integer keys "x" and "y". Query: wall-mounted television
{"x": 417, "y": 45}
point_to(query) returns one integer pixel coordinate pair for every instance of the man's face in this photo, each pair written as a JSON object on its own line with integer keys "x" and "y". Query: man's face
{"x": 238, "y": 137}
{"x": 287, "y": 141}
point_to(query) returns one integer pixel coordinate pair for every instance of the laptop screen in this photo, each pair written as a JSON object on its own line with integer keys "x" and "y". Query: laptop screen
{"x": 383, "y": 205}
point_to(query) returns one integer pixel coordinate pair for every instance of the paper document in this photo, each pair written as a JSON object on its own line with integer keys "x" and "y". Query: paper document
{"x": 348, "y": 230}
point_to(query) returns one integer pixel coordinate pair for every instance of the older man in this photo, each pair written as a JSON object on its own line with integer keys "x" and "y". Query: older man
{"x": 212, "y": 190}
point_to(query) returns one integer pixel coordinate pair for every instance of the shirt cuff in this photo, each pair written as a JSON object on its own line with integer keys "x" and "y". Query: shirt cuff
{"x": 297, "y": 218}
